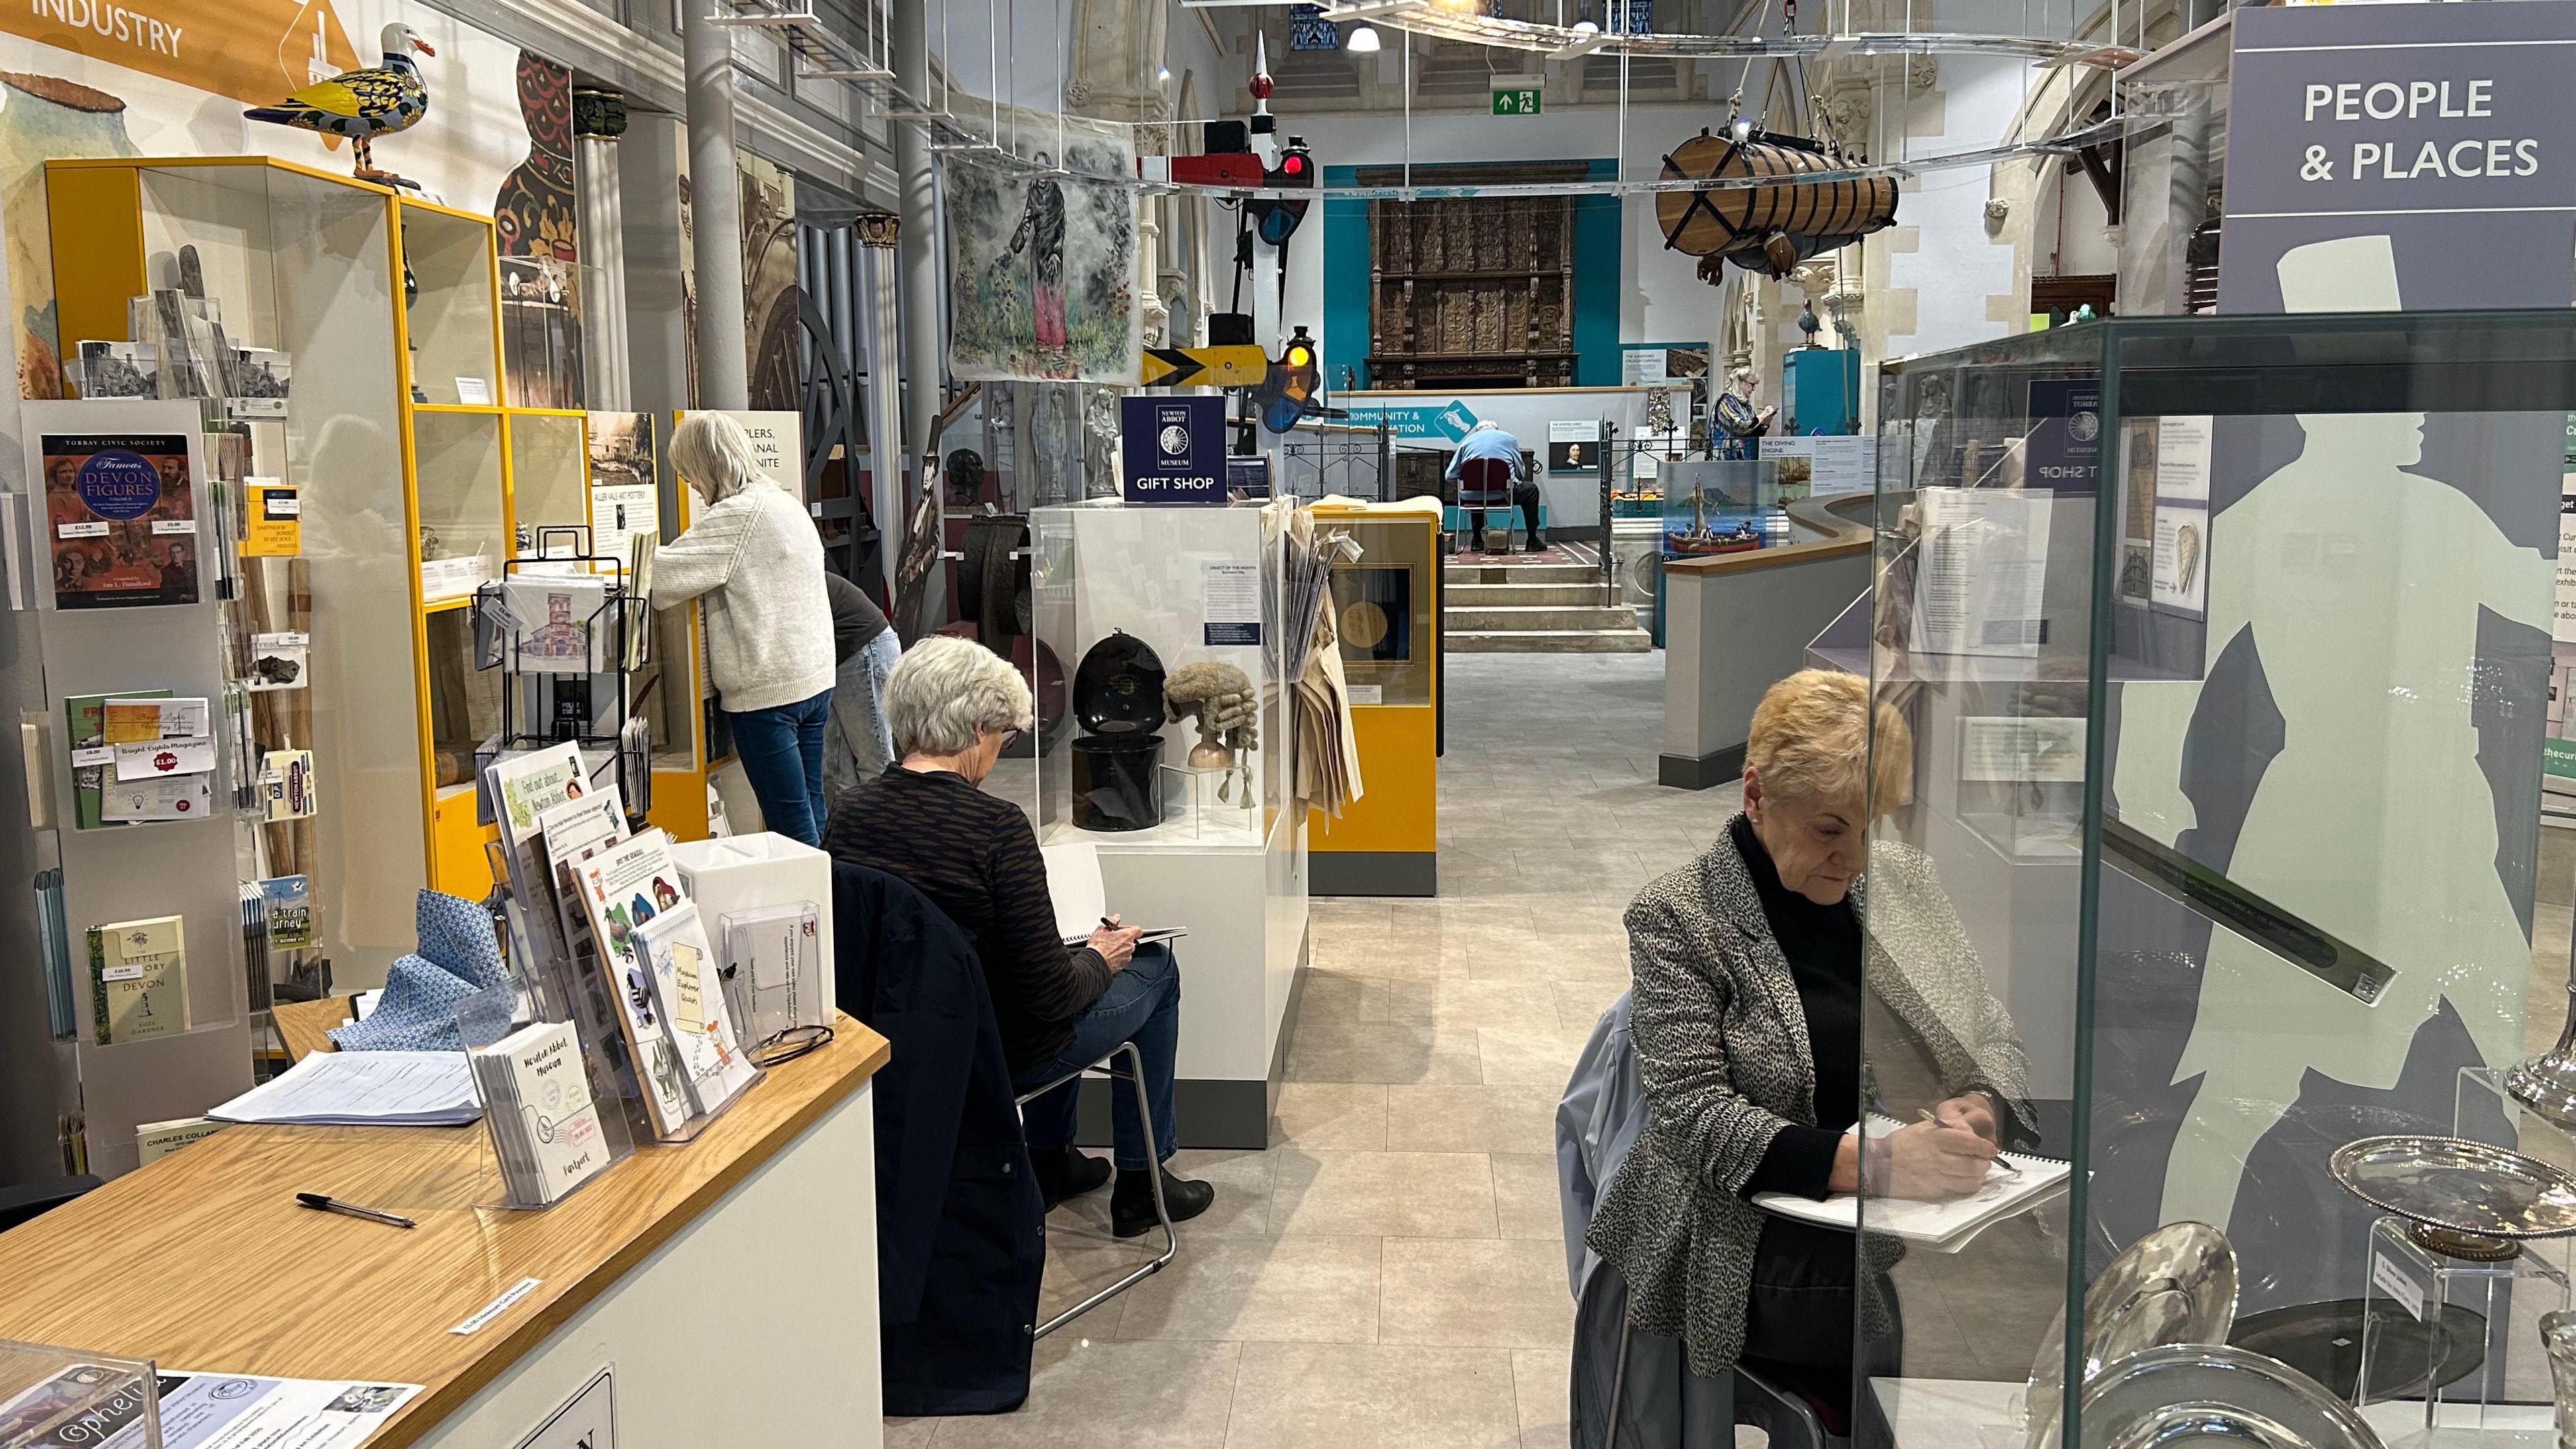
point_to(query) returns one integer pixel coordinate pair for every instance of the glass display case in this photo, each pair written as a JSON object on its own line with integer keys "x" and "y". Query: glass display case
{"x": 1386, "y": 617}
{"x": 2211, "y": 658}
{"x": 1721, "y": 505}
{"x": 1149, "y": 621}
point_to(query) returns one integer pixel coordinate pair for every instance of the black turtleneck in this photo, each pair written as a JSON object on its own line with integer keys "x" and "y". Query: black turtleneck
{"x": 1823, "y": 947}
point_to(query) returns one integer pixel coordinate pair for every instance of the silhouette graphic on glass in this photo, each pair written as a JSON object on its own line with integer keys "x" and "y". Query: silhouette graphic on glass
{"x": 2361, "y": 583}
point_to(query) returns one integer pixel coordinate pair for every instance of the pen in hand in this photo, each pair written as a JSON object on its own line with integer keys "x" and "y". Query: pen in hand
{"x": 324, "y": 1202}
{"x": 2006, "y": 1163}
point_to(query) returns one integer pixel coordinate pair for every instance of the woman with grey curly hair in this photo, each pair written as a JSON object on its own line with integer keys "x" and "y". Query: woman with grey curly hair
{"x": 953, "y": 706}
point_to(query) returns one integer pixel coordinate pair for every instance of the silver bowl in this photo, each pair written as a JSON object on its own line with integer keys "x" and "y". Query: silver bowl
{"x": 2469, "y": 1200}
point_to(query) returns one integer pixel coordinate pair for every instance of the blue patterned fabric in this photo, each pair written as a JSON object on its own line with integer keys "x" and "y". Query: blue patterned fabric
{"x": 458, "y": 956}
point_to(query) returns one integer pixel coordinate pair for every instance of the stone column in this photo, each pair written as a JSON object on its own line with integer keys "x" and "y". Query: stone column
{"x": 598, "y": 120}
{"x": 715, "y": 210}
{"x": 881, "y": 403}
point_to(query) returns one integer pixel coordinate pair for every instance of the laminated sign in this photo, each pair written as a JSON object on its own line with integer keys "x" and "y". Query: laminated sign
{"x": 1174, "y": 449}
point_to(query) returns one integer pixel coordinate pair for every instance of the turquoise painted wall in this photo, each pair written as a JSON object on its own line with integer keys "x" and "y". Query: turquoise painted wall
{"x": 1597, "y": 277}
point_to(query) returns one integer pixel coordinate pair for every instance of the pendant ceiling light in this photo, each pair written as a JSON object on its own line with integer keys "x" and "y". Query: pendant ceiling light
{"x": 1362, "y": 40}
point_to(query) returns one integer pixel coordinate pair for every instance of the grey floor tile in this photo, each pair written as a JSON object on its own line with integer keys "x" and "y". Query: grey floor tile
{"x": 1286, "y": 1290}
{"x": 1539, "y": 1054}
{"x": 1373, "y": 1396}
{"x": 1517, "y": 1117}
{"x": 1539, "y": 1385}
{"x": 1475, "y": 1293}
{"x": 1106, "y": 1395}
{"x": 910, "y": 1433}
{"x": 1580, "y": 1000}
{"x": 1359, "y": 1194}
{"x": 1526, "y": 1202}
{"x": 1381, "y": 1052}
{"x": 1331, "y": 1114}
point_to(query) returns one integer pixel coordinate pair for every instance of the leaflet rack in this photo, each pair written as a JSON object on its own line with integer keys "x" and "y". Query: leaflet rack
{"x": 547, "y": 696}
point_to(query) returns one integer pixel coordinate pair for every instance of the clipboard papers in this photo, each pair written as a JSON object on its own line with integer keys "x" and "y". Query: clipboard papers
{"x": 1943, "y": 1227}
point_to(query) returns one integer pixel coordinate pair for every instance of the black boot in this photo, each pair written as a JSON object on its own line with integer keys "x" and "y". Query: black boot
{"x": 1064, "y": 1172}
{"x": 1131, "y": 1203}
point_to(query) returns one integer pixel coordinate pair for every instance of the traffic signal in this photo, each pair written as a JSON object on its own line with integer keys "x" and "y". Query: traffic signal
{"x": 1276, "y": 220}
{"x": 1295, "y": 377}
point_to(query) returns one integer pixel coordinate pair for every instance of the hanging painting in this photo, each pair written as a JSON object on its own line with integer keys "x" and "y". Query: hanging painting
{"x": 1042, "y": 254}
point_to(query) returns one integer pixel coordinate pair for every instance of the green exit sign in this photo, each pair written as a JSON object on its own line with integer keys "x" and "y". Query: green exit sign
{"x": 1519, "y": 101}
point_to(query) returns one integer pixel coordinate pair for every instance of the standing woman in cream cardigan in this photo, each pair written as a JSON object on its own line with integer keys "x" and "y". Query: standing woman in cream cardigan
{"x": 753, "y": 555}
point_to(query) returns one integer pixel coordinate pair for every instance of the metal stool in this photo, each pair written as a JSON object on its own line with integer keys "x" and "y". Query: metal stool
{"x": 1145, "y": 1116}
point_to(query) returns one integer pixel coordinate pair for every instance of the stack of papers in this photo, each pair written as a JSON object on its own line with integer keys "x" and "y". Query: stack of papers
{"x": 1945, "y": 1226}
{"x": 545, "y": 1124}
{"x": 364, "y": 1089}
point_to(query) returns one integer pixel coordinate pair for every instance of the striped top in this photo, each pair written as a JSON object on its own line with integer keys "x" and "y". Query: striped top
{"x": 977, "y": 859}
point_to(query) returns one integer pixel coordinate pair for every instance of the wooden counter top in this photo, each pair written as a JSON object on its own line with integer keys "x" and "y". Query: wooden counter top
{"x": 205, "y": 1261}
{"x": 305, "y": 1026}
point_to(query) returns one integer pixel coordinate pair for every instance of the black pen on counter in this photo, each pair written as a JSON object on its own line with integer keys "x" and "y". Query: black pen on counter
{"x": 324, "y": 1202}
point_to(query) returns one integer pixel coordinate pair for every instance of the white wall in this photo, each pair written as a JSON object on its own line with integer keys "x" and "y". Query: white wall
{"x": 1956, "y": 265}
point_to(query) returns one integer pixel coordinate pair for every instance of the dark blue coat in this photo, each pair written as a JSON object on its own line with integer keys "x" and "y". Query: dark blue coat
{"x": 961, "y": 1240}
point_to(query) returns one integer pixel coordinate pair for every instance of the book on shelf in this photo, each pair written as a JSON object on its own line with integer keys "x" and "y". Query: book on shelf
{"x": 139, "y": 979}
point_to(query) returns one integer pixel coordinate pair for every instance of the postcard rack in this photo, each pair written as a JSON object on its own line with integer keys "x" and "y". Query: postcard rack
{"x": 568, "y": 631}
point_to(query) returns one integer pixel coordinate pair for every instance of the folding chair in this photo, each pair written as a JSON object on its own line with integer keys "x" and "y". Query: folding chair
{"x": 1135, "y": 1074}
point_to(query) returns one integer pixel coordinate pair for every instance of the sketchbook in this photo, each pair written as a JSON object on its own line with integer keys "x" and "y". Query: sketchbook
{"x": 1081, "y": 899}
{"x": 1944, "y": 1227}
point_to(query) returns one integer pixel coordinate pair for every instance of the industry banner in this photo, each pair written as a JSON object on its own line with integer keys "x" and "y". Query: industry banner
{"x": 251, "y": 50}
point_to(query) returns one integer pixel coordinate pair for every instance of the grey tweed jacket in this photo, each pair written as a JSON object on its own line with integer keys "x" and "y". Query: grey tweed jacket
{"x": 1724, "y": 1060}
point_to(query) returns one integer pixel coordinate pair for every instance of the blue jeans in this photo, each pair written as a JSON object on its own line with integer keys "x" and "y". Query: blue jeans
{"x": 782, "y": 753}
{"x": 859, "y": 746}
{"x": 1142, "y": 1005}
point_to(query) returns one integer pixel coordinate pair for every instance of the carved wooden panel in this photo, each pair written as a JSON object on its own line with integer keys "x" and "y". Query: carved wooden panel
{"x": 1471, "y": 291}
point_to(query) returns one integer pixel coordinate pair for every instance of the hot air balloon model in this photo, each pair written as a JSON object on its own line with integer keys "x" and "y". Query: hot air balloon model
{"x": 1767, "y": 228}
{"x": 362, "y": 104}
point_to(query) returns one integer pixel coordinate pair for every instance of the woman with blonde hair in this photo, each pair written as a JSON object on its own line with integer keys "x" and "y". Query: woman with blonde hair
{"x": 753, "y": 555}
{"x": 1751, "y": 966}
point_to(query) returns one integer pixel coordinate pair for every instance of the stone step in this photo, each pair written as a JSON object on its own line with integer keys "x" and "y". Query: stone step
{"x": 1543, "y": 619}
{"x": 1567, "y": 573}
{"x": 1468, "y": 596}
{"x": 1550, "y": 641}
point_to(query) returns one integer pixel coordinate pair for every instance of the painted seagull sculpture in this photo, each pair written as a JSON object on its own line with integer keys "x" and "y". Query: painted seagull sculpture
{"x": 362, "y": 104}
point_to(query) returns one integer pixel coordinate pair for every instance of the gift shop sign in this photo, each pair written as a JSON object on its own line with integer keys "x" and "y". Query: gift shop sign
{"x": 1174, "y": 448}
{"x": 254, "y": 51}
{"x": 2426, "y": 124}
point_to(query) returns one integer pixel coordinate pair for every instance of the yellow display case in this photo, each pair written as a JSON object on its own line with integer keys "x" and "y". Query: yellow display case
{"x": 410, "y": 467}
{"x": 1386, "y": 618}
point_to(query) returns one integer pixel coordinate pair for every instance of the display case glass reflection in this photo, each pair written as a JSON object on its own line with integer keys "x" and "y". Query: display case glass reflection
{"x": 1383, "y": 611}
{"x": 2212, "y": 659}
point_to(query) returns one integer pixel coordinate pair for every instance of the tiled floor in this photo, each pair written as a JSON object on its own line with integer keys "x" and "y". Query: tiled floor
{"x": 1391, "y": 1273}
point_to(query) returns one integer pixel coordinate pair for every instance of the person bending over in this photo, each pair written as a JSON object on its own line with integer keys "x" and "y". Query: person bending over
{"x": 953, "y": 706}
{"x": 753, "y": 555}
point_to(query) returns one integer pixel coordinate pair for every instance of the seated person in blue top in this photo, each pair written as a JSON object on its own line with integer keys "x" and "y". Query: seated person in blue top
{"x": 952, "y": 707}
{"x": 1488, "y": 440}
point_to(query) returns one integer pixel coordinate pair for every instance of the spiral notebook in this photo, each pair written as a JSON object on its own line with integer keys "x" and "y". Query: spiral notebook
{"x": 1944, "y": 1227}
